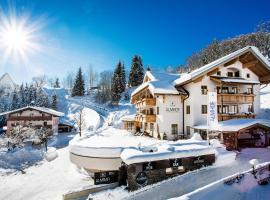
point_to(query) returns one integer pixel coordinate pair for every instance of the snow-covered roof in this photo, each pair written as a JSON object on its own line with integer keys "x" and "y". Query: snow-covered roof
{"x": 165, "y": 152}
{"x": 42, "y": 109}
{"x": 160, "y": 83}
{"x": 65, "y": 121}
{"x": 128, "y": 118}
{"x": 234, "y": 125}
{"x": 206, "y": 68}
{"x": 235, "y": 80}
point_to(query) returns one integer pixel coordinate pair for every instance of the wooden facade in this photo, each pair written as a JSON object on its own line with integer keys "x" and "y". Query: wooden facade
{"x": 254, "y": 136}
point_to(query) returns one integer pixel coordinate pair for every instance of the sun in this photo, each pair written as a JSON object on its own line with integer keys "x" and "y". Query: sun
{"x": 18, "y": 37}
{"x": 15, "y": 39}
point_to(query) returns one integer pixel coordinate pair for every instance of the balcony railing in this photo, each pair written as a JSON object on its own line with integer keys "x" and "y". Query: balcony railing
{"x": 235, "y": 98}
{"x": 227, "y": 116}
{"x": 145, "y": 118}
{"x": 29, "y": 118}
{"x": 146, "y": 102}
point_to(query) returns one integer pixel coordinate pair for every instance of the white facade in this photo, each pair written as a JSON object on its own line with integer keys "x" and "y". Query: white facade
{"x": 181, "y": 103}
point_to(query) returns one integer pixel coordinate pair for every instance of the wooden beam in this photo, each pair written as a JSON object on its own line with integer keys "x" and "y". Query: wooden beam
{"x": 250, "y": 64}
{"x": 231, "y": 62}
{"x": 265, "y": 79}
{"x": 212, "y": 72}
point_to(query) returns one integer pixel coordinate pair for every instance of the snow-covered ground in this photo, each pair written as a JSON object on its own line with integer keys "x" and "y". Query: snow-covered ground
{"x": 265, "y": 103}
{"x": 190, "y": 181}
{"x": 46, "y": 180}
{"x": 40, "y": 179}
{"x": 246, "y": 188}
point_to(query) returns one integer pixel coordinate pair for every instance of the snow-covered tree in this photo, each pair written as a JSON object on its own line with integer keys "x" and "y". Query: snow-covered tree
{"x": 103, "y": 94}
{"x": 57, "y": 83}
{"x": 42, "y": 99}
{"x": 15, "y": 104}
{"x": 123, "y": 76}
{"x": 117, "y": 84}
{"x": 54, "y": 102}
{"x": 136, "y": 72}
{"x": 80, "y": 120}
{"x": 78, "y": 87}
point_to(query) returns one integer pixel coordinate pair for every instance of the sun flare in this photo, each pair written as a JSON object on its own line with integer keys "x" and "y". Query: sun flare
{"x": 15, "y": 39}
{"x": 18, "y": 37}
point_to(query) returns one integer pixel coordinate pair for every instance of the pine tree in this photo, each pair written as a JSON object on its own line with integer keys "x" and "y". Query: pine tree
{"x": 26, "y": 95}
{"x": 123, "y": 76}
{"x": 22, "y": 102}
{"x": 136, "y": 72}
{"x": 117, "y": 81}
{"x": 57, "y": 84}
{"x": 42, "y": 99}
{"x": 78, "y": 87}
{"x": 54, "y": 102}
{"x": 32, "y": 95}
{"x": 15, "y": 101}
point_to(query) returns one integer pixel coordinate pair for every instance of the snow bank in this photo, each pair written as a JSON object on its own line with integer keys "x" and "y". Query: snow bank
{"x": 51, "y": 154}
{"x": 196, "y": 136}
{"x": 109, "y": 143}
{"x": 164, "y": 152}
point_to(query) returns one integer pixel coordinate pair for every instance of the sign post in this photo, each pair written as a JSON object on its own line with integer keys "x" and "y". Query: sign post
{"x": 212, "y": 117}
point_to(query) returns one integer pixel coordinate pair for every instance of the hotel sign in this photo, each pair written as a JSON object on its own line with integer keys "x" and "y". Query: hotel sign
{"x": 212, "y": 117}
{"x": 172, "y": 108}
{"x": 105, "y": 177}
{"x": 149, "y": 166}
{"x": 175, "y": 163}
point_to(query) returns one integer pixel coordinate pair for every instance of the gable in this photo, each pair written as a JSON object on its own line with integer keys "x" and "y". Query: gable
{"x": 250, "y": 57}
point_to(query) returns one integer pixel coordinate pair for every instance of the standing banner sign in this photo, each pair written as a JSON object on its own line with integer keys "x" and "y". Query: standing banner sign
{"x": 212, "y": 117}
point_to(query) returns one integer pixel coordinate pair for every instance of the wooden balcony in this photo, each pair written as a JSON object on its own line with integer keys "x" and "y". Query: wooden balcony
{"x": 146, "y": 102}
{"x": 145, "y": 118}
{"x": 235, "y": 98}
{"x": 30, "y": 118}
{"x": 226, "y": 116}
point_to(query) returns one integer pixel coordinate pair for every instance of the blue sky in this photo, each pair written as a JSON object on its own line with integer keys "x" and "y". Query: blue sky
{"x": 101, "y": 32}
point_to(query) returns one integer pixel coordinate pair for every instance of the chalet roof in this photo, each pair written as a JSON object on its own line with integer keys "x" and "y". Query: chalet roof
{"x": 235, "y": 125}
{"x": 186, "y": 77}
{"x": 234, "y": 80}
{"x": 160, "y": 83}
{"x": 41, "y": 109}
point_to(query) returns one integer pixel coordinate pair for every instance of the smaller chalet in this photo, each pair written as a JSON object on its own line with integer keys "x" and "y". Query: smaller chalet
{"x": 33, "y": 116}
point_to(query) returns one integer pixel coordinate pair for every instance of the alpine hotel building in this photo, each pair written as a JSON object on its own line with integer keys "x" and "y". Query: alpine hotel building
{"x": 174, "y": 106}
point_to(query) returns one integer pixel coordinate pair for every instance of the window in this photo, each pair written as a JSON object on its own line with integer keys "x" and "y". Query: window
{"x": 225, "y": 109}
{"x": 174, "y": 129}
{"x": 188, "y": 130}
{"x": 234, "y": 90}
{"x": 250, "y": 108}
{"x": 230, "y": 74}
{"x": 219, "y": 109}
{"x": 157, "y": 110}
{"x": 248, "y": 75}
{"x": 237, "y": 74}
{"x": 151, "y": 127}
{"x": 218, "y": 90}
{"x": 218, "y": 73}
{"x": 225, "y": 90}
{"x": 130, "y": 126}
{"x": 234, "y": 108}
{"x": 204, "y": 89}
{"x": 250, "y": 91}
{"x": 45, "y": 123}
{"x": 204, "y": 109}
{"x": 188, "y": 109}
